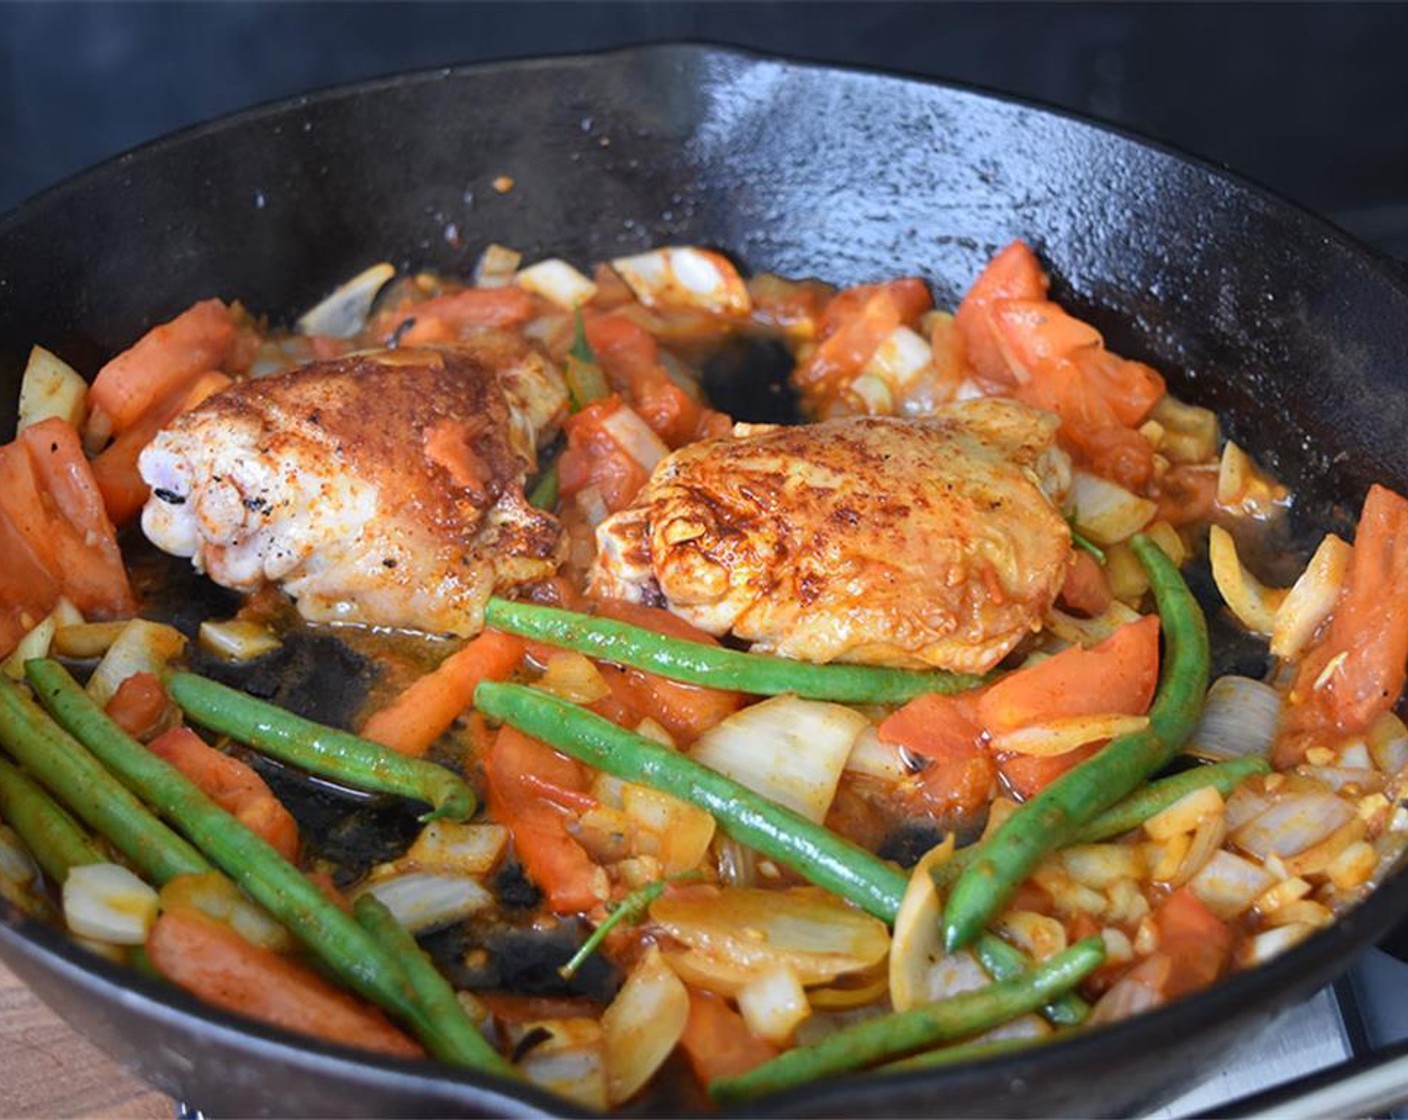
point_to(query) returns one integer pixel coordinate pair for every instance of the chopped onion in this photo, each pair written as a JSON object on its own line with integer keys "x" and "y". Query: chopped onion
{"x": 570, "y": 1061}
{"x": 900, "y": 359}
{"x": 34, "y": 644}
{"x": 344, "y": 313}
{"x": 238, "y": 639}
{"x": 685, "y": 277}
{"x": 918, "y": 938}
{"x": 1387, "y": 742}
{"x": 592, "y": 505}
{"x": 634, "y": 436}
{"x": 1244, "y": 489}
{"x": 459, "y": 849}
{"x": 872, "y": 394}
{"x": 1139, "y": 990}
{"x": 1246, "y": 802}
{"x": 1105, "y": 512}
{"x": 1240, "y": 718}
{"x": 1254, "y": 604}
{"x": 1090, "y": 631}
{"x": 107, "y": 902}
{"x": 556, "y": 280}
{"x": 1061, "y": 736}
{"x": 1311, "y": 598}
{"x": 1207, "y": 840}
{"x": 1185, "y": 814}
{"x": 813, "y": 932}
{"x": 574, "y": 678}
{"x": 140, "y": 647}
{"x": 1100, "y": 866}
{"x": 774, "y": 1004}
{"x": 736, "y": 864}
{"x": 1067, "y": 894}
{"x": 1040, "y": 935}
{"x": 681, "y": 831}
{"x": 50, "y": 388}
{"x": 791, "y": 751}
{"x": 217, "y": 897}
{"x": 423, "y": 900}
{"x": 1293, "y": 824}
{"x": 1340, "y": 778}
{"x": 872, "y": 756}
{"x": 1190, "y": 432}
{"x": 20, "y": 877}
{"x": 81, "y": 640}
{"x": 642, "y": 1025}
{"x": 496, "y": 267}
{"x": 1273, "y": 942}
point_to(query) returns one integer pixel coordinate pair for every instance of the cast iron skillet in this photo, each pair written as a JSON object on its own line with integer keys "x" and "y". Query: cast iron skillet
{"x": 1251, "y": 306}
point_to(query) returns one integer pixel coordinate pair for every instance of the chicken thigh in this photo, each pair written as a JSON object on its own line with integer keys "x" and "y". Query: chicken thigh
{"x": 382, "y": 488}
{"x": 926, "y": 542}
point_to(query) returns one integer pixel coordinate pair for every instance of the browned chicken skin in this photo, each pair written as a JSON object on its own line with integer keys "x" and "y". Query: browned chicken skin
{"x": 934, "y": 541}
{"x": 383, "y": 488}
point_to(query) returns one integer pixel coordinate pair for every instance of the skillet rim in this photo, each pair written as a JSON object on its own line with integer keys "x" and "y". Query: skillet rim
{"x": 37, "y": 940}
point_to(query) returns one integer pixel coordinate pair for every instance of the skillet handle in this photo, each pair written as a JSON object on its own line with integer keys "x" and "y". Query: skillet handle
{"x": 1369, "y": 1086}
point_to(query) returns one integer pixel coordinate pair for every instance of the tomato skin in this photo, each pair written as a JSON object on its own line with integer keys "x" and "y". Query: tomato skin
{"x": 592, "y": 457}
{"x": 1014, "y": 273}
{"x": 1086, "y": 590}
{"x": 1196, "y": 941}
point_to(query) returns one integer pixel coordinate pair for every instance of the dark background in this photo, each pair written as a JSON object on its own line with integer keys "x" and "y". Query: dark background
{"x": 1310, "y": 100}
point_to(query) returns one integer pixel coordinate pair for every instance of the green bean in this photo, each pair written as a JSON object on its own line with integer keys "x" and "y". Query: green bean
{"x": 1154, "y": 798}
{"x": 812, "y": 851}
{"x": 585, "y": 380}
{"x": 544, "y": 492}
{"x": 1003, "y": 961}
{"x": 904, "y": 1032}
{"x": 457, "y": 1039}
{"x": 714, "y": 666}
{"x": 325, "y": 751}
{"x": 629, "y": 908}
{"x": 1135, "y": 809}
{"x": 1054, "y": 816}
{"x": 54, "y": 838}
{"x": 348, "y": 951}
{"x": 963, "y": 1052}
{"x": 59, "y": 762}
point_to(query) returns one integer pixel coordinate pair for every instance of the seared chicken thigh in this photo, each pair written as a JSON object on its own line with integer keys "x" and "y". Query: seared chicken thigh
{"x": 935, "y": 541}
{"x": 382, "y": 488}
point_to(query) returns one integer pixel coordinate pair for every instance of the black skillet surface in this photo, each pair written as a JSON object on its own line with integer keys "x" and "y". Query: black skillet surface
{"x": 1247, "y": 304}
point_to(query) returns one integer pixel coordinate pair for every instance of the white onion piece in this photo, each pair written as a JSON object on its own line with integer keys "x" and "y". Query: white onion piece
{"x": 873, "y": 757}
{"x": 642, "y": 1025}
{"x": 1244, "y": 804}
{"x": 238, "y": 639}
{"x": 345, "y": 311}
{"x": 496, "y": 267}
{"x": 687, "y": 278}
{"x": 1060, "y": 736}
{"x": 570, "y": 1062}
{"x": 1273, "y": 942}
{"x": 573, "y": 677}
{"x": 217, "y": 897}
{"x": 1245, "y": 489}
{"x": 789, "y": 750}
{"x": 556, "y": 280}
{"x": 873, "y": 394}
{"x": 1387, "y": 743}
{"x": 423, "y": 900}
{"x": 918, "y": 938}
{"x": 682, "y": 832}
{"x": 900, "y": 359}
{"x": 50, "y": 388}
{"x": 1100, "y": 866}
{"x": 1240, "y": 718}
{"x": 952, "y": 975}
{"x": 1137, "y": 991}
{"x": 459, "y": 849}
{"x": 1252, "y": 602}
{"x": 634, "y": 436}
{"x": 1340, "y": 778}
{"x": 592, "y": 505}
{"x": 1090, "y": 631}
{"x": 1105, "y": 512}
{"x": 20, "y": 877}
{"x": 774, "y": 1004}
{"x": 107, "y": 902}
{"x": 1293, "y": 824}
{"x": 1207, "y": 840}
{"x": 1228, "y": 884}
{"x": 34, "y": 644}
{"x": 816, "y": 934}
{"x": 1311, "y": 598}
{"x": 140, "y": 647}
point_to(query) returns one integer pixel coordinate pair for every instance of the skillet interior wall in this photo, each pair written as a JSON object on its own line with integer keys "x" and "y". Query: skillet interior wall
{"x": 1303, "y": 98}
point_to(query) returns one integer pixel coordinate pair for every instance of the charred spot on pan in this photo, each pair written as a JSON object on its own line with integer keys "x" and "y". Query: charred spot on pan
{"x": 513, "y": 888}
{"x": 170, "y": 497}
